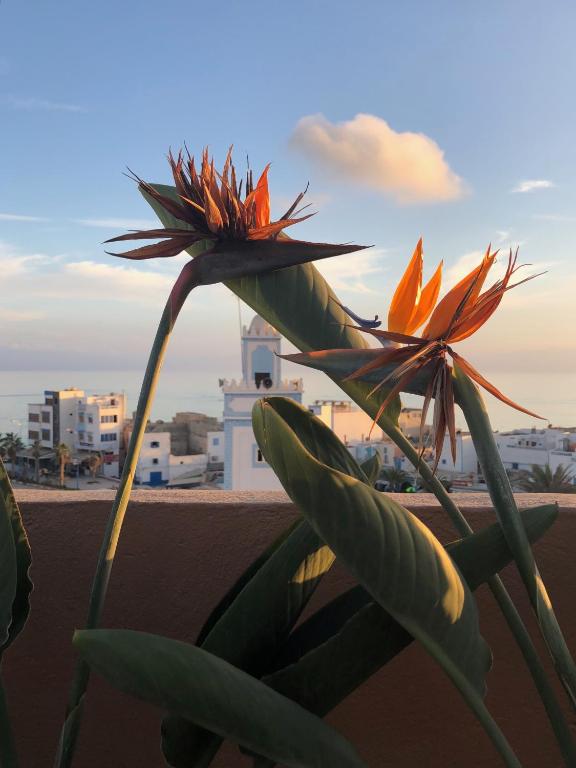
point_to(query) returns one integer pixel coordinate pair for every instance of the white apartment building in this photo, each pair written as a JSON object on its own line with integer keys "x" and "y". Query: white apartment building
{"x": 157, "y": 467}
{"x": 54, "y": 421}
{"x": 99, "y": 423}
{"x": 215, "y": 447}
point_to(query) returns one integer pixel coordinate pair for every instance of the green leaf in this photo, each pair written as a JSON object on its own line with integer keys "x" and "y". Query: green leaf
{"x": 222, "y": 606}
{"x": 18, "y": 561}
{"x": 392, "y": 554}
{"x": 371, "y": 468}
{"x": 496, "y": 478}
{"x": 320, "y": 323}
{"x": 357, "y": 636}
{"x": 340, "y": 363}
{"x": 261, "y": 615}
{"x": 202, "y": 688}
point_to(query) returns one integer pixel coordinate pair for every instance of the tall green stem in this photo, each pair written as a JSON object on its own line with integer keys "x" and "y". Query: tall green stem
{"x": 496, "y": 479}
{"x": 505, "y": 602}
{"x": 8, "y": 758}
{"x": 70, "y": 729}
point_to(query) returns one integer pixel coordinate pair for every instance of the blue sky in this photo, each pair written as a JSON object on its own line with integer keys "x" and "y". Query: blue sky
{"x": 87, "y": 89}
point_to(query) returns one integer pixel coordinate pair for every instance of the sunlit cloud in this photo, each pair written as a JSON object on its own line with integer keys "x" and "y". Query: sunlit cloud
{"x": 531, "y": 185}
{"x": 409, "y": 167}
{"x": 353, "y": 273}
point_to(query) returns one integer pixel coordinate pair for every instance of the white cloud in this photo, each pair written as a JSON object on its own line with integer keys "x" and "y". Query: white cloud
{"x": 410, "y": 167}
{"x": 119, "y": 223}
{"x": 95, "y": 280}
{"x": 21, "y": 217}
{"x": 531, "y": 185}
{"x": 31, "y": 104}
{"x": 16, "y": 316}
{"x": 555, "y": 217}
{"x": 350, "y": 272}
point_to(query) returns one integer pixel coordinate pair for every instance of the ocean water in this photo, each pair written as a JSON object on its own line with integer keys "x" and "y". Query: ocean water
{"x": 552, "y": 397}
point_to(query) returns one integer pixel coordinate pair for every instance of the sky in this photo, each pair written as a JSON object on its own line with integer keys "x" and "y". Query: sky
{"x": 451, "y": 121}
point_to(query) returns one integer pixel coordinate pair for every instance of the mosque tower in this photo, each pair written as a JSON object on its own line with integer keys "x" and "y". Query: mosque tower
{"x": 244, "y": 465}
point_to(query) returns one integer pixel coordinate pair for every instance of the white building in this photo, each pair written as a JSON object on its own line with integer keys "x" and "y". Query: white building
{"x": 99, "y": 429}
{"x": 466, "y": 459}
{"x": 158, "y": 467}
{"x": 86, "y": 424}
{"x": 244, "y": 465}
{"x": 54, "y": 421}
{"x": 522, "y": 448}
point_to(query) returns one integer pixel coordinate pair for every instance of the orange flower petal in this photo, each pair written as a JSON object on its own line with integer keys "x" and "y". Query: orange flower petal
{"x": 262, "y": 199}
{"x": 428, "y": 298}
{"x": 457, "y": 299}
{"x": 406, "y": 294}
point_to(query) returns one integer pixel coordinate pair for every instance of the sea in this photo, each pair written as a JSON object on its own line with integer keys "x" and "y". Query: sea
{"x": 552, "y": 397}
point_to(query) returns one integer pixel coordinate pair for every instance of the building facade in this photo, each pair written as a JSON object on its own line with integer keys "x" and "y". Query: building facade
{"x": 244, "y": 465}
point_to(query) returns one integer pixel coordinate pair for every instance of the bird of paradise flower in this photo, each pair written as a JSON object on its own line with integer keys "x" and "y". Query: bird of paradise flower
{"x": 462, "y": 311}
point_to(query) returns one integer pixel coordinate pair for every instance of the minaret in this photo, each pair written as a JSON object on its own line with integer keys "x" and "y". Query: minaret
{"x": 244, "y": 466}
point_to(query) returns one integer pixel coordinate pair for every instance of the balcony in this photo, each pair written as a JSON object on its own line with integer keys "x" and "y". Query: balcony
{"x": 179, "y": 553}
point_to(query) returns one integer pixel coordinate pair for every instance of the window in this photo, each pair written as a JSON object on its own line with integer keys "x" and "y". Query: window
{"x": 514, "y": 465}
{"x": 108, "y": 419}
{"x": 110, "y": 437}
{"x": 90, "y": 419}
{"x": 156, "y": 461}
{"x": 154, "y": 444}
{"x": 215, "y": 441}
{"x": 33, "y": 435}
{"x": 81, "y": 418}
{"x": 34, "y": 417}
{"x": 259, "y": 455}
{"x": 46, "y": 434}
{"x": 46, "y": 417}
{"x": 443, "y": 461}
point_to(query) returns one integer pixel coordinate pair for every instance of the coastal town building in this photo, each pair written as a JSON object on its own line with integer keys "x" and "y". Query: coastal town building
{"x": 244, "y": 465}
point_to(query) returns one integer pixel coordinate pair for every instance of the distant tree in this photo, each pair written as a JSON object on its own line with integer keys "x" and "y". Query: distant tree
{"x": 11, "y": 445}
{"x": 395, "y": 478}
{"x": 63, "y": 455}
{"x": 543, "y": 480}
{"x": 94, "y": 463}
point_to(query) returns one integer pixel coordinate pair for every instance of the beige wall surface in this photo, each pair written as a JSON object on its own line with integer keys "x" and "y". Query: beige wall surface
{"x": 178, "y": 554}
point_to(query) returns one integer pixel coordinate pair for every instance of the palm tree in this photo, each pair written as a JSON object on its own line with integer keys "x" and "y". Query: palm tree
{"x": 63, "y": 455}
{"x": 36, "y": 452}
{"x": 11, "y": 445}
{"x": 543, "y": 480}
{"x": 395, "y": 478}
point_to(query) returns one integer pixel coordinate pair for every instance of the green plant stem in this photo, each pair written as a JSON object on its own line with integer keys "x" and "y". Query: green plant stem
{"x": 69, "y": 734}
{"x": 474, "y": 410}
{"x": 517, "y": 627}
{"x": 8, "y": 758}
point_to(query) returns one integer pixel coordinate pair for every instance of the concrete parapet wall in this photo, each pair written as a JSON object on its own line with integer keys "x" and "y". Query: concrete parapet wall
{"x": 178, "y": 554}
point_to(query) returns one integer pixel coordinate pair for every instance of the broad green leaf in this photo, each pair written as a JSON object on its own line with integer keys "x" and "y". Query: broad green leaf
{"x": 319, "y": 323}
{"x": 20, "y": 607}
{"x": 202, "y": 688}
{"x": 263, "y": 612}
{"x": 357, "y": 636}
{"x": 371, "y": 468}
{"x": 392, "y": 554}
{"x": 222, "y": 606}
{"x": 8, "y": 563}
{"x": 498, "y": 483}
